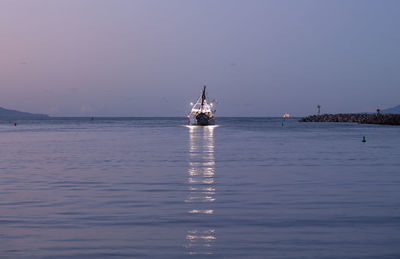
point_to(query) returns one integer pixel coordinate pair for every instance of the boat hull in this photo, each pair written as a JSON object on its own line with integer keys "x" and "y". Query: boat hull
{"x": 203, "y": 119}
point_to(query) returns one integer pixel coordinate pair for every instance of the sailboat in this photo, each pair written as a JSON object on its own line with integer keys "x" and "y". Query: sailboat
{"x": 202, "y": 113}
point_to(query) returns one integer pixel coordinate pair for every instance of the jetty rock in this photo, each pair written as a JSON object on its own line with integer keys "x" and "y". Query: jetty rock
{"x": 385, "y": 119}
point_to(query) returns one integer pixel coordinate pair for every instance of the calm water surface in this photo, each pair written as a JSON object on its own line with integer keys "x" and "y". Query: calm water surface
{"x": 153, "y": 187}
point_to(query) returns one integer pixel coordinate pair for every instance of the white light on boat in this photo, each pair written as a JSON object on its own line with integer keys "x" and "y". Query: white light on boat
{"x": 191, "y": 104}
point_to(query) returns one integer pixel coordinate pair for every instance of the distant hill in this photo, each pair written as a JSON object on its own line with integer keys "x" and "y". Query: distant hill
{"x": 13, "y": 114}
{"x": 393, "y": 110}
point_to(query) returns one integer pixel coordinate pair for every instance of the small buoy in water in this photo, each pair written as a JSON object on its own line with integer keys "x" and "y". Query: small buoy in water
{"x": 15, "y": 124}
{"x": 363, "y": 139}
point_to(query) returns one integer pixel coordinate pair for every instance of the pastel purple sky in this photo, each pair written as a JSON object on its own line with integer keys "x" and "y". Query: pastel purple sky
{"x": 151, "y": 58}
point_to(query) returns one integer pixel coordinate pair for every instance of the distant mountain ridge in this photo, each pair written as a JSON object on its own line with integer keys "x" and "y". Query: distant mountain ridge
{"x": 14, "y": 114}
{"x": 393, "y": 110}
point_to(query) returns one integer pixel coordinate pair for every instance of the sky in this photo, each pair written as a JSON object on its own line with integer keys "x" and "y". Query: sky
{"x": 151, "y": 58}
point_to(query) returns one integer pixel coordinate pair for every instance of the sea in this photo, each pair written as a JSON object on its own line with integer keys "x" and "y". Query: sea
{"x": 158, "y": 188}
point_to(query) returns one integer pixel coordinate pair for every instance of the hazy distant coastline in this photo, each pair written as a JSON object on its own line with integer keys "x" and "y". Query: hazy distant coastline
{"x": 9, "y": 114}
{"x": 14, "y": 114}
{"x": 393, "y": 110}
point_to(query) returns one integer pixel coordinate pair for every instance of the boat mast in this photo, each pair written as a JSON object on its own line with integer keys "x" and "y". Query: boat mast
{"x": 203, "y": 98}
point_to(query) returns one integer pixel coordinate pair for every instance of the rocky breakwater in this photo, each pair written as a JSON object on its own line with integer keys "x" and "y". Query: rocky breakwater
{"x": 386, "y": 119}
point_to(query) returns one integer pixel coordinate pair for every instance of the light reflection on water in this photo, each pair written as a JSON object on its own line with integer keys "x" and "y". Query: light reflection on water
{"x": 201, "y": 188}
